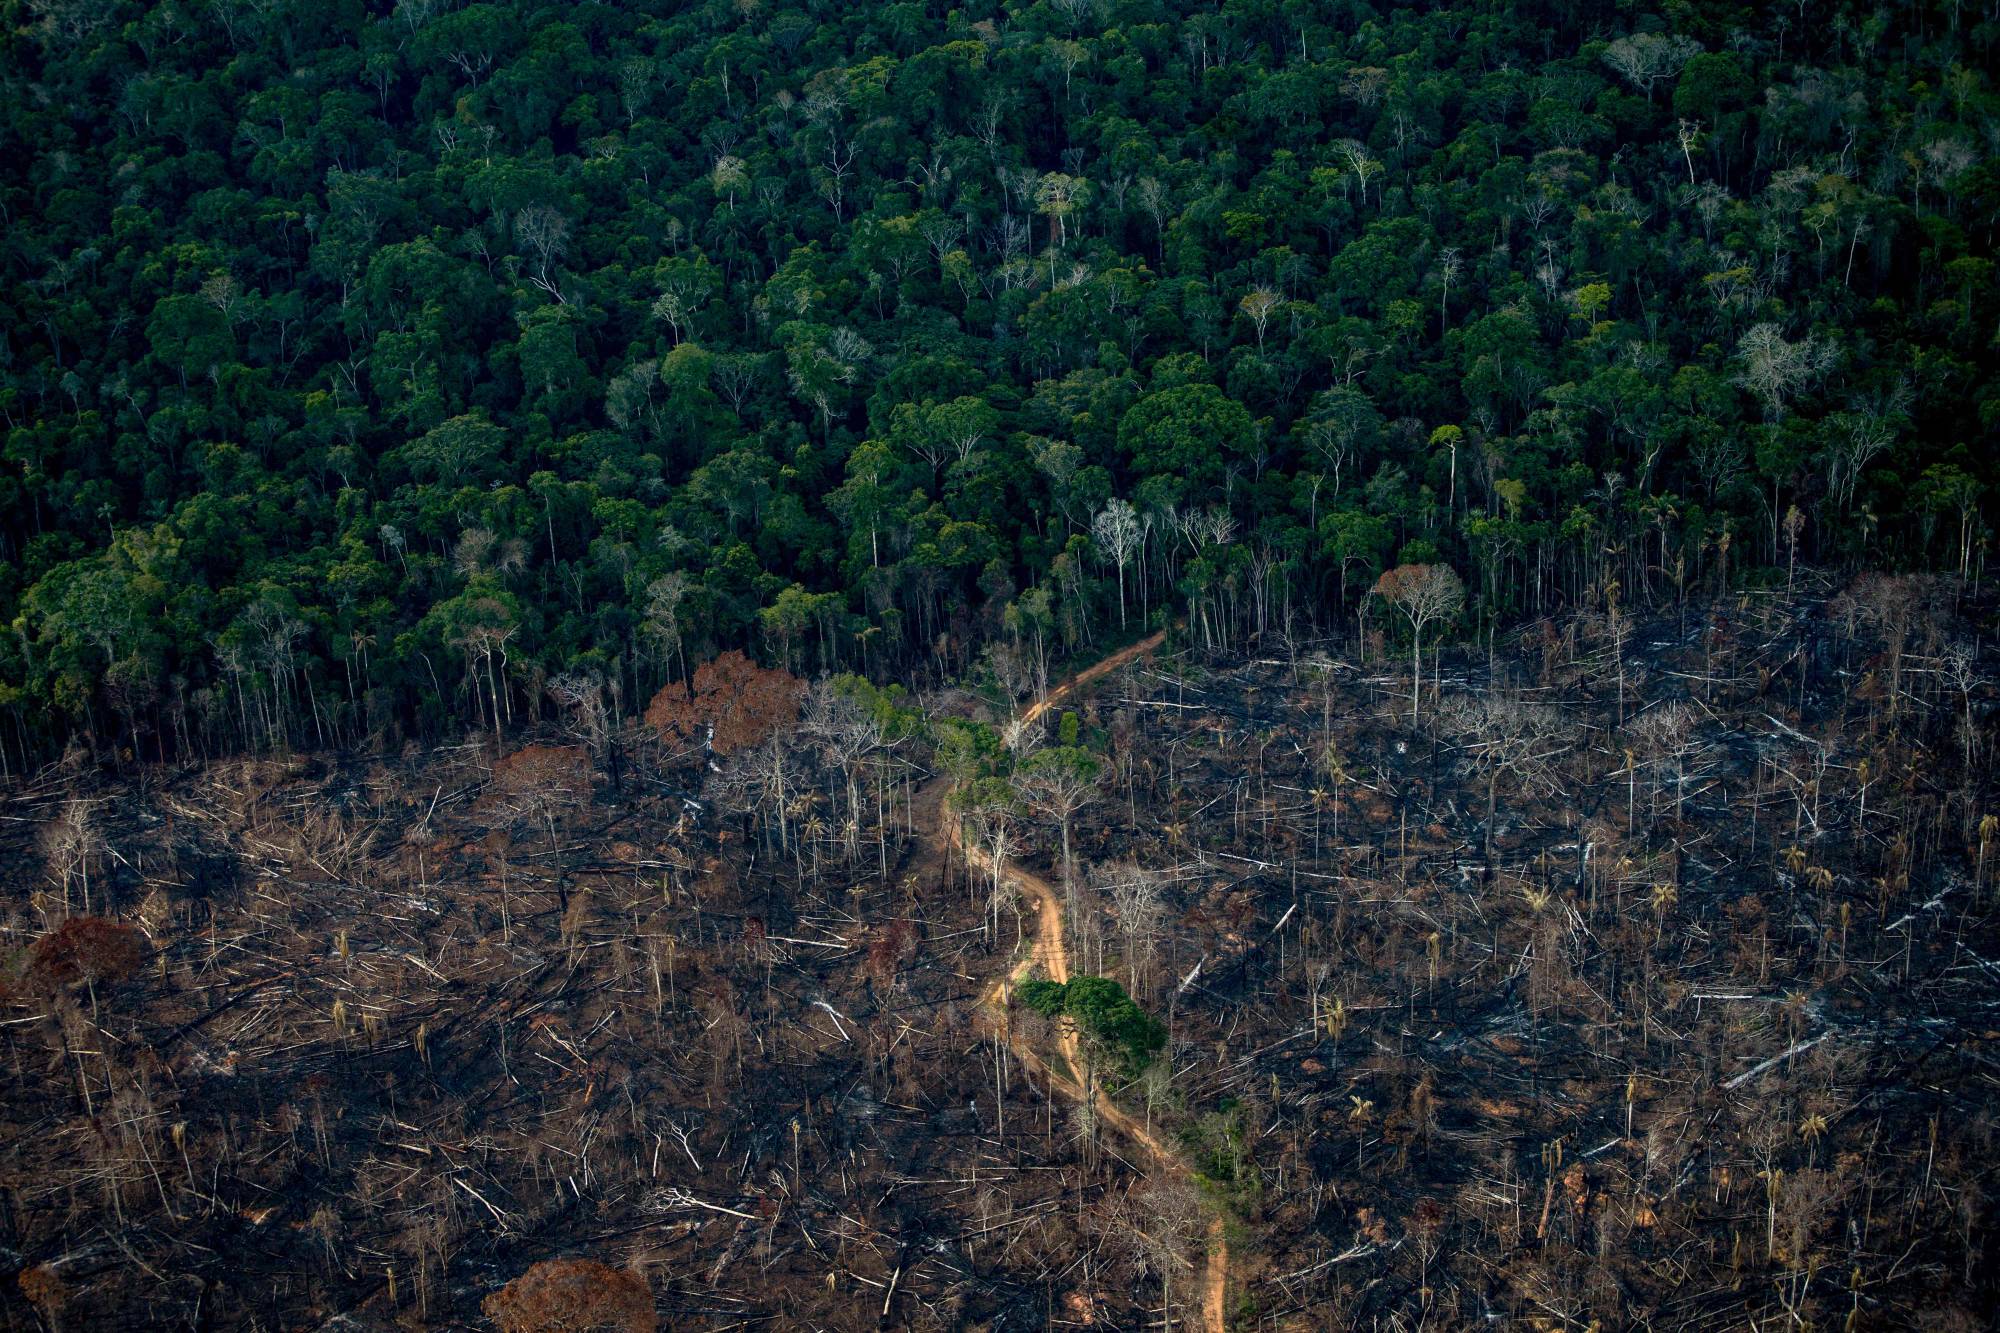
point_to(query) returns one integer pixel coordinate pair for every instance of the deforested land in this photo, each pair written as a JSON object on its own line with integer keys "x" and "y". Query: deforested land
{"x": 1124, "y": 664}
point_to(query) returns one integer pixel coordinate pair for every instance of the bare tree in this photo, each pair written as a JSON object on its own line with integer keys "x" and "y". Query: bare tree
{"x": 1665, "y": 737}
{"x": 1424, "y": 594}
{"x": 543, "y": 235}
{"x": 734, "y": 378}
{"x": 542, "y": 784}
{"x": 846, "y": 735}
{"x": 1139, "y": 903}
{"x": 1507, "y": 737}
{"x": 661, "y": 625}
{"x": 1060, "y": 782}
{"x": 1775, "y": 367}
{"x": 1451, "y": 263}
{"x": 1645, "y": 58}
{"x": 1075, "y": 11}
{"x": 1892, "y": 604}
{"x": 69, "y": 845}
{"x": 1860, "y": 434}
{"x": 988, "y": 807}
{"x": 637, "y": 77}
{"x": 580, "y": 696}
{"x": 1342, "y": 418}
{"x": 1118, "y": 531}
{"x": 1962, "y": 673}
{"x": 1160, "y": 1221}
{"x": 482, "y": 638}
{"x": 1157, "y": 202}
{"x": 1360, "y": 164}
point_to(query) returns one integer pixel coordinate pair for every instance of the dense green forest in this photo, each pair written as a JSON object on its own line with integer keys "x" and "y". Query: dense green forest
{"x": 373, "y": 373}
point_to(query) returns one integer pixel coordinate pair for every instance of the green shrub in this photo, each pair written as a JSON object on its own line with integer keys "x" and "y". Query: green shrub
{"x": 1105, "y": 1013}
{"x": 1042, "y": 996}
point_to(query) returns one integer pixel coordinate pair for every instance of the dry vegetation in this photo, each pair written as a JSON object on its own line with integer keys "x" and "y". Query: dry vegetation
{"x": 374, "y": 1039}
{"x": 1654, "y": 988}
{"x": 1643, "y": 987}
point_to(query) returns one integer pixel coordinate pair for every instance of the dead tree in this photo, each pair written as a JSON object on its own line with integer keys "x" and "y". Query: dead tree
{"x": 1665, "y": 737}
{"x": 988, "y": 806}
{"x": 1508, "y": 737}
{"x": 580, "y": 697}
{"x": 846, "y": 735}
{"x": 542, "y": 784}
{"x": 1424, "y": 594}
{"x": 1893, "y": 605}
{"x": 1060, "y": 783}
{"x": 1138, "y": 901}
{"x": 69, "y": 845}
{"x": 1159, "y": 1223}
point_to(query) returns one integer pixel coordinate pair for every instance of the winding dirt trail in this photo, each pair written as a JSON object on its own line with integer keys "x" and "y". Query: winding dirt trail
{"x": 1095, "y": 672}
{"x": 1050, "y": 956}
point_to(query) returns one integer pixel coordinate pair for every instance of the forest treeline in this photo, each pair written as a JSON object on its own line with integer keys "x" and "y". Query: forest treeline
{"x": 373, "y": 372}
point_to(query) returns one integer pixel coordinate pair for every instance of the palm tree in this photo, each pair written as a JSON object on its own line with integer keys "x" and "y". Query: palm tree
{"x": 1358, "y": 1117}
{"x": 1664, "y": 897}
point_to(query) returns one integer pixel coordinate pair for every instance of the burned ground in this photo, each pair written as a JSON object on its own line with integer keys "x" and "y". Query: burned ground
{"x": 1695, "y": 1030}
{"x": 404, "y": 1029}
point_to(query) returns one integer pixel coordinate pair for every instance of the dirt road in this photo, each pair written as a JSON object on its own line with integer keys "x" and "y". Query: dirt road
{"x": 1096, "y": 671}
{"x": 1049, "y": 955}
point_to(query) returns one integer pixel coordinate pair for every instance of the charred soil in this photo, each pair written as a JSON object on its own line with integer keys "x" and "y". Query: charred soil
{"x": 1646, "y": 975}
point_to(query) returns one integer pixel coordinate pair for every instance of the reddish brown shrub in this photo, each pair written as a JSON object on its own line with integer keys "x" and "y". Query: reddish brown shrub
{"x": 744, "y": 702}
{"x": 895, "y": 943}
{"x": 562, "y": 768}
{"x": 85, "y": 949}
{"x": 45, "y": 1290}
{"x": 573, "y": 1296}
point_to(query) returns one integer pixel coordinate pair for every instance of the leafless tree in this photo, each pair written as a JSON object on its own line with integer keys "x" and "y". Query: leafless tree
{"x": 734, "y": 378}
{"x": 846, "y": 735}
{"x": 543, "y": 784}
{"x": 543, "y": 235}
{"x": 1138, "y": 901}
{"x": 580, "y": 696}
{"x": 1451, "y": 263}
{"x": 1425, "y": 594}
{"x": 1666, "y": 737}
{"x": 1893, "y": 605}
{"x": 988, "y": 811}
{"x": 1155, "y": 200}
{"x": 70, "y": 844}
{"x": 1117, "y": 530}
{"x": 1645, "y": 58}
{"x": 1361, "y": 165}
{"x": 661, "y": 625}
{"x": 1076, "y": 11}
{"x": 1775, "y": 367}
{"x": 1161, "y": 1222}
{"x": 1858, "y": 435}
{"x": 1508, "y": 737}
{"x": 637, "y": 77}
{"x": 1962, "y": 673}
